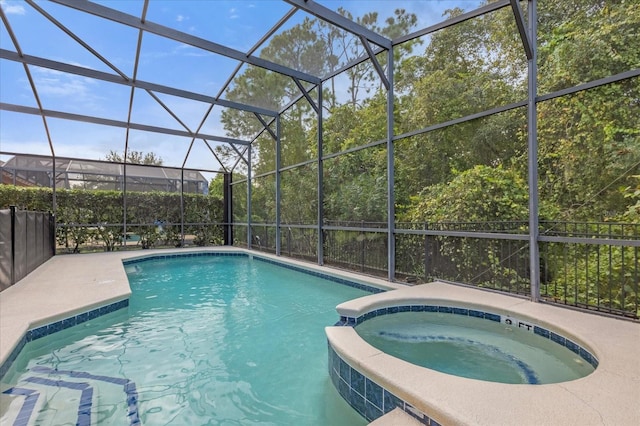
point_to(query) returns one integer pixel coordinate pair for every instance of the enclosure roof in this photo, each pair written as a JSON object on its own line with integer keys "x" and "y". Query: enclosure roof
{"x": 64, "y": 165}
{"x": 151, "y": 75}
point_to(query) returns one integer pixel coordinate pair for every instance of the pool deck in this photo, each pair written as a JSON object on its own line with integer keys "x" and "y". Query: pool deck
{"x": 67, "y": 285}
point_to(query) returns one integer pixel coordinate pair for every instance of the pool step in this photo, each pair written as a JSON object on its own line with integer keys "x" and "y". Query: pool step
{"x": 49, "y": 396}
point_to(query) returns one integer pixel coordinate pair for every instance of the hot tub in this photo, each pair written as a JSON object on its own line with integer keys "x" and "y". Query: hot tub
{"x": 476, "y": 344}
{"x": 374, "y": 381}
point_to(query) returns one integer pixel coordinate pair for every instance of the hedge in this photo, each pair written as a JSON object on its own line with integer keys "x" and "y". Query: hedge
{"x": 155, "y": 217}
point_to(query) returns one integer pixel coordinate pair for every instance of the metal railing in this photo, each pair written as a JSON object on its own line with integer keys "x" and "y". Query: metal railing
{"x": 590, "y": 265}
{"x": 365, "y": 252}
{"x": 601, "y": 277}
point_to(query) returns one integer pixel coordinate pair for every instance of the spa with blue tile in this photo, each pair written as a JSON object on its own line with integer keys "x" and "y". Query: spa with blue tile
{"x": 372, "y": 401}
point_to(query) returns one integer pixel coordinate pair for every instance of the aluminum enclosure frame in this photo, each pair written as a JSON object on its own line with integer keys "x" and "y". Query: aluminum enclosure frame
{"x": 373, "y": 44}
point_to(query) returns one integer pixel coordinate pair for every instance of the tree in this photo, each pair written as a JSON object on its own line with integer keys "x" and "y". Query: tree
{"x": 482, "y": 198}
{"x": 461, "y": 72}
{"x": 317, "y": 48}
{"x": 590, "y": 141}
{"x": 343, "y": 47}
{"x": 216, "y": 186}
{"x": 135, "y": 157}
{"x": 480, "y": 194}
{"x": 355, "y": 184}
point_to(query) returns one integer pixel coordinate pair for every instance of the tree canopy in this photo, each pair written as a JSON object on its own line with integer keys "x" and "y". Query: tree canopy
{"x": 135, "y": 157}
{"x": 589, "y": 142}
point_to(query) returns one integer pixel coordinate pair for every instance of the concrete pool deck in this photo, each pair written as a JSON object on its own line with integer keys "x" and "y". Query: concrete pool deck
{"x": 71, "y": 284}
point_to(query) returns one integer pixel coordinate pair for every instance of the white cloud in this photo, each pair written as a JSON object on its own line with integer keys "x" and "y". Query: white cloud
{"x": 58, "y": 83}
{"x": 181, "y": 18}
{"x": 12, "y": 8}
{"x": 188, "y": 50}
{"x": 233, "y": 13}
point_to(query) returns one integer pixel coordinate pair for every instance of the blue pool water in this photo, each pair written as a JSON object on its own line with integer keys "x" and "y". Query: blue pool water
{"x": 208, "y": 340}
{"x": 474, "y": 348}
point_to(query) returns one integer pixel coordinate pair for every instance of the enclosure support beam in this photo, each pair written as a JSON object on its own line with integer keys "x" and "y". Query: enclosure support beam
{"x": 391, "y": 212}
{"x": 135, "y": 83}
{"x": 306, "y": 94}
{"x": 182, "y": 37}
{"x": 532, "y": 125}
{"x": 124, "y": 191}
{"x": 266, "y": 126}
{"x": 374, "y": 61}
{"x": 128, "y": 132}
{"x": 320, "y": 189}
{"x": 487, "y": 8}
{"x": 116, "y": 123}
{"x": 524, "y": 36}
{"x": 227, "y": 214}
{"x": 278, "y": 182}
{"x": 249, "y": 192}
{"x": 340, "y": 21}
{"x": 182, "y": 207}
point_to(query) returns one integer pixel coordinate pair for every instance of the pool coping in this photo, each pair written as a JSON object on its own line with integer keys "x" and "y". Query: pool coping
{"x": 608, "y": 396}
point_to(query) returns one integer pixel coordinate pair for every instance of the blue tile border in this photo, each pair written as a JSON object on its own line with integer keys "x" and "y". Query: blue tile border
{"x": 54, "y": 327}
{"x": 366, "y": 396}
{"x": 179, "y": 255}
{"x": 457, "y": 310}
{"x": 328, "y": 277}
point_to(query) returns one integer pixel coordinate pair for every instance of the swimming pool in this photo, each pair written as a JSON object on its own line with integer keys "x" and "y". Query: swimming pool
{"x": 230, "y": 340}
{"x": 474, "y": 346}
{"x": 76, "y": 285}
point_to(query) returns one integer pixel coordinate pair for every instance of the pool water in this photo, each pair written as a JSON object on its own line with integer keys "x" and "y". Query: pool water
{"x": 473, "y": 348}
{"x": 207, "y": 340}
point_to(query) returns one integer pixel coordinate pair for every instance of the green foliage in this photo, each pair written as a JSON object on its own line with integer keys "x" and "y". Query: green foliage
{"x": 299, "y": 196}
{"x": 589, "y": 142}
{"x": 85, "y": 217}
{"x": 39, "y": 199}
{"x": 480, "y": 194}
{"x": 632, "y": 214}
{"x": 216, "y": 186}
{"x": 479, "y": 197}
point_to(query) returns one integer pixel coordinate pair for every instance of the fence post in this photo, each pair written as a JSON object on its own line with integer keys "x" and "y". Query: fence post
{"x": 52, "y": 231}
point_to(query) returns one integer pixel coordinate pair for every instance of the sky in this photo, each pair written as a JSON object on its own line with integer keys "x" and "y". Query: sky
{"x": 238, "y": 24}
